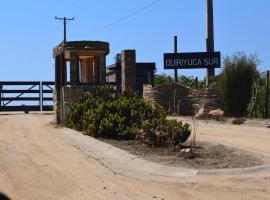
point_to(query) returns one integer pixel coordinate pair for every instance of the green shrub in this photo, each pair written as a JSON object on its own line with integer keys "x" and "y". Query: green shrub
{"x": 236, "y": 81}
{"x": 104, "y": 113}
{"x": 160, "y": 133}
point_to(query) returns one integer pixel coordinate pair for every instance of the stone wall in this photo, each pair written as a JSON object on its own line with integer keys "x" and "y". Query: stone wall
{"x": 181, "y": 100}
{"x": 68, "y": 96}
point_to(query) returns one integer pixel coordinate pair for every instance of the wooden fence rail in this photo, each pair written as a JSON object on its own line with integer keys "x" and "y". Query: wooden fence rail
{"x": 12, "y": 99}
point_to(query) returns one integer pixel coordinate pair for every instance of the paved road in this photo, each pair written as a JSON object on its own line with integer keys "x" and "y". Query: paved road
{"x": 37, "y": 164}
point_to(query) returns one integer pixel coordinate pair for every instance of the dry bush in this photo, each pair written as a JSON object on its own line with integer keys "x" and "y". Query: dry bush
{"x": 238, "y": 121}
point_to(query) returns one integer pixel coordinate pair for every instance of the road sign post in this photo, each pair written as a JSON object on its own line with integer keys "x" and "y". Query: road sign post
{"x": 210, "y": 45}
{"x": 175, "y": 51}
{"x": 267, "y": 96}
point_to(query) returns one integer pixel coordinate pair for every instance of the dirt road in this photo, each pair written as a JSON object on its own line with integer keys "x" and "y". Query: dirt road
{"x": 37, "y": 164}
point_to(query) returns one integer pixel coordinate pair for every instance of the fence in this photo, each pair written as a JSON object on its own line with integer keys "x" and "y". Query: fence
{"x": 31, "y": 92}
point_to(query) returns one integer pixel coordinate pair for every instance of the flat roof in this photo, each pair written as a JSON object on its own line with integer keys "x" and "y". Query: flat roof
{"x": 140, "y": 66}
{"x": 88, "y": 46}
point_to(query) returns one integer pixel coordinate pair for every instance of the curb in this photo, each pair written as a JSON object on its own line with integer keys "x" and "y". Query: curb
{"x": 234, "y": 171}
{"x": 122, "y": 162}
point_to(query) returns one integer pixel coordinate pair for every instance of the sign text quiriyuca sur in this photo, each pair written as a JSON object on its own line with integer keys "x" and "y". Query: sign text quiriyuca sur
{"x": 192, "y": 60}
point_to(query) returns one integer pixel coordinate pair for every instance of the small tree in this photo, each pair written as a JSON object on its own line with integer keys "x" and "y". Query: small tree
{"x": 236, "y": 81}
{"x": 162, "y": 79}
{"x": 257, "y": 107}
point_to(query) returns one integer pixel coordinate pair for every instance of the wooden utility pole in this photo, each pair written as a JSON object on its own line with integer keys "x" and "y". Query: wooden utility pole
{"x": 267, "y": 96}
{"x": 65, "y": 19}
{"x": 210, "y": 47}
{"x": 175, "y": 51}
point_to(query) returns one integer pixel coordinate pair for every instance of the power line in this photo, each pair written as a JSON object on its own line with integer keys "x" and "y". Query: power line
{"x": 122, "y": 19}
{"x": 41, "y": 69}
{"x": 65, "y": 20}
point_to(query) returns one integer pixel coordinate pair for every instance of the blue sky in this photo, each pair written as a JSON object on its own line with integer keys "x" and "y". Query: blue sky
{"x": 29, "y": 31}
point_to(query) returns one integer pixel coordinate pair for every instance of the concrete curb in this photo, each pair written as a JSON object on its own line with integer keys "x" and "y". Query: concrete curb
{"x": 122, "y": 162}
{"x": 237, "y": 171}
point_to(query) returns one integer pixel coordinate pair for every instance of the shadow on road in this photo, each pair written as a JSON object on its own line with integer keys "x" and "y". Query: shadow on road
{"x": 22, "y": 113}
{"x": 4, "y": 197}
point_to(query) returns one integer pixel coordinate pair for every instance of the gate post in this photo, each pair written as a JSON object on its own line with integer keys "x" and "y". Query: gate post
{"x": 41, "y": 96}
{"x": 1, "y": 87}
{"x": 128, "y": 70}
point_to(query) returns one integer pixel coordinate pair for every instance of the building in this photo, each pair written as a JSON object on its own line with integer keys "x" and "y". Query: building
{"x": 143, "y": 73}
{"x": 87, "y": 61}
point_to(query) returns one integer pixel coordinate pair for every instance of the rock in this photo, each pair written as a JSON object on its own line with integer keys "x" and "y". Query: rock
{"x": 201, "y": 114}
{"x": 216, "y": 114}
{"x": 174, "y": 114}
{"x": 185, "y": 150}
{"x": 188, "y": 150}
{"x": 239, "y": 121}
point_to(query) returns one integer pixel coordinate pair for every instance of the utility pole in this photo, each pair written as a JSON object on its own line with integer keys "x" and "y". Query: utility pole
{"x": 210, "y": 47}
{"x": 175, "y": 51}
{"x": 267, "y": 96}
{"x": 65, "y": 19}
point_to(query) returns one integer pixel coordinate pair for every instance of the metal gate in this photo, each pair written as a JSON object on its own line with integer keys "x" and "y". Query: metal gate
{"x": 26, "y": 96}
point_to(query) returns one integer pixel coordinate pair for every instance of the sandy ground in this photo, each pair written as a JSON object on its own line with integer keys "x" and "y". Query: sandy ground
{"x": 36, "y": 164}
{"x": 253, "y": 136}
{"x": 207, "y": 155}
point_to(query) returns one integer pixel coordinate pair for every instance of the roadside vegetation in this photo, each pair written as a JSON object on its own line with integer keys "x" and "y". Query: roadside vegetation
{"x": 237, "y": 79}
{"x": 161, "y": 79}
{"x": 105, "y": 113}
{"x": 243, "y": 86}
{"x": 257, "y": 105}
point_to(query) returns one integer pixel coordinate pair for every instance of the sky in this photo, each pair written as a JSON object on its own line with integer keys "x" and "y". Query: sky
{"x": 29, "y": 31}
